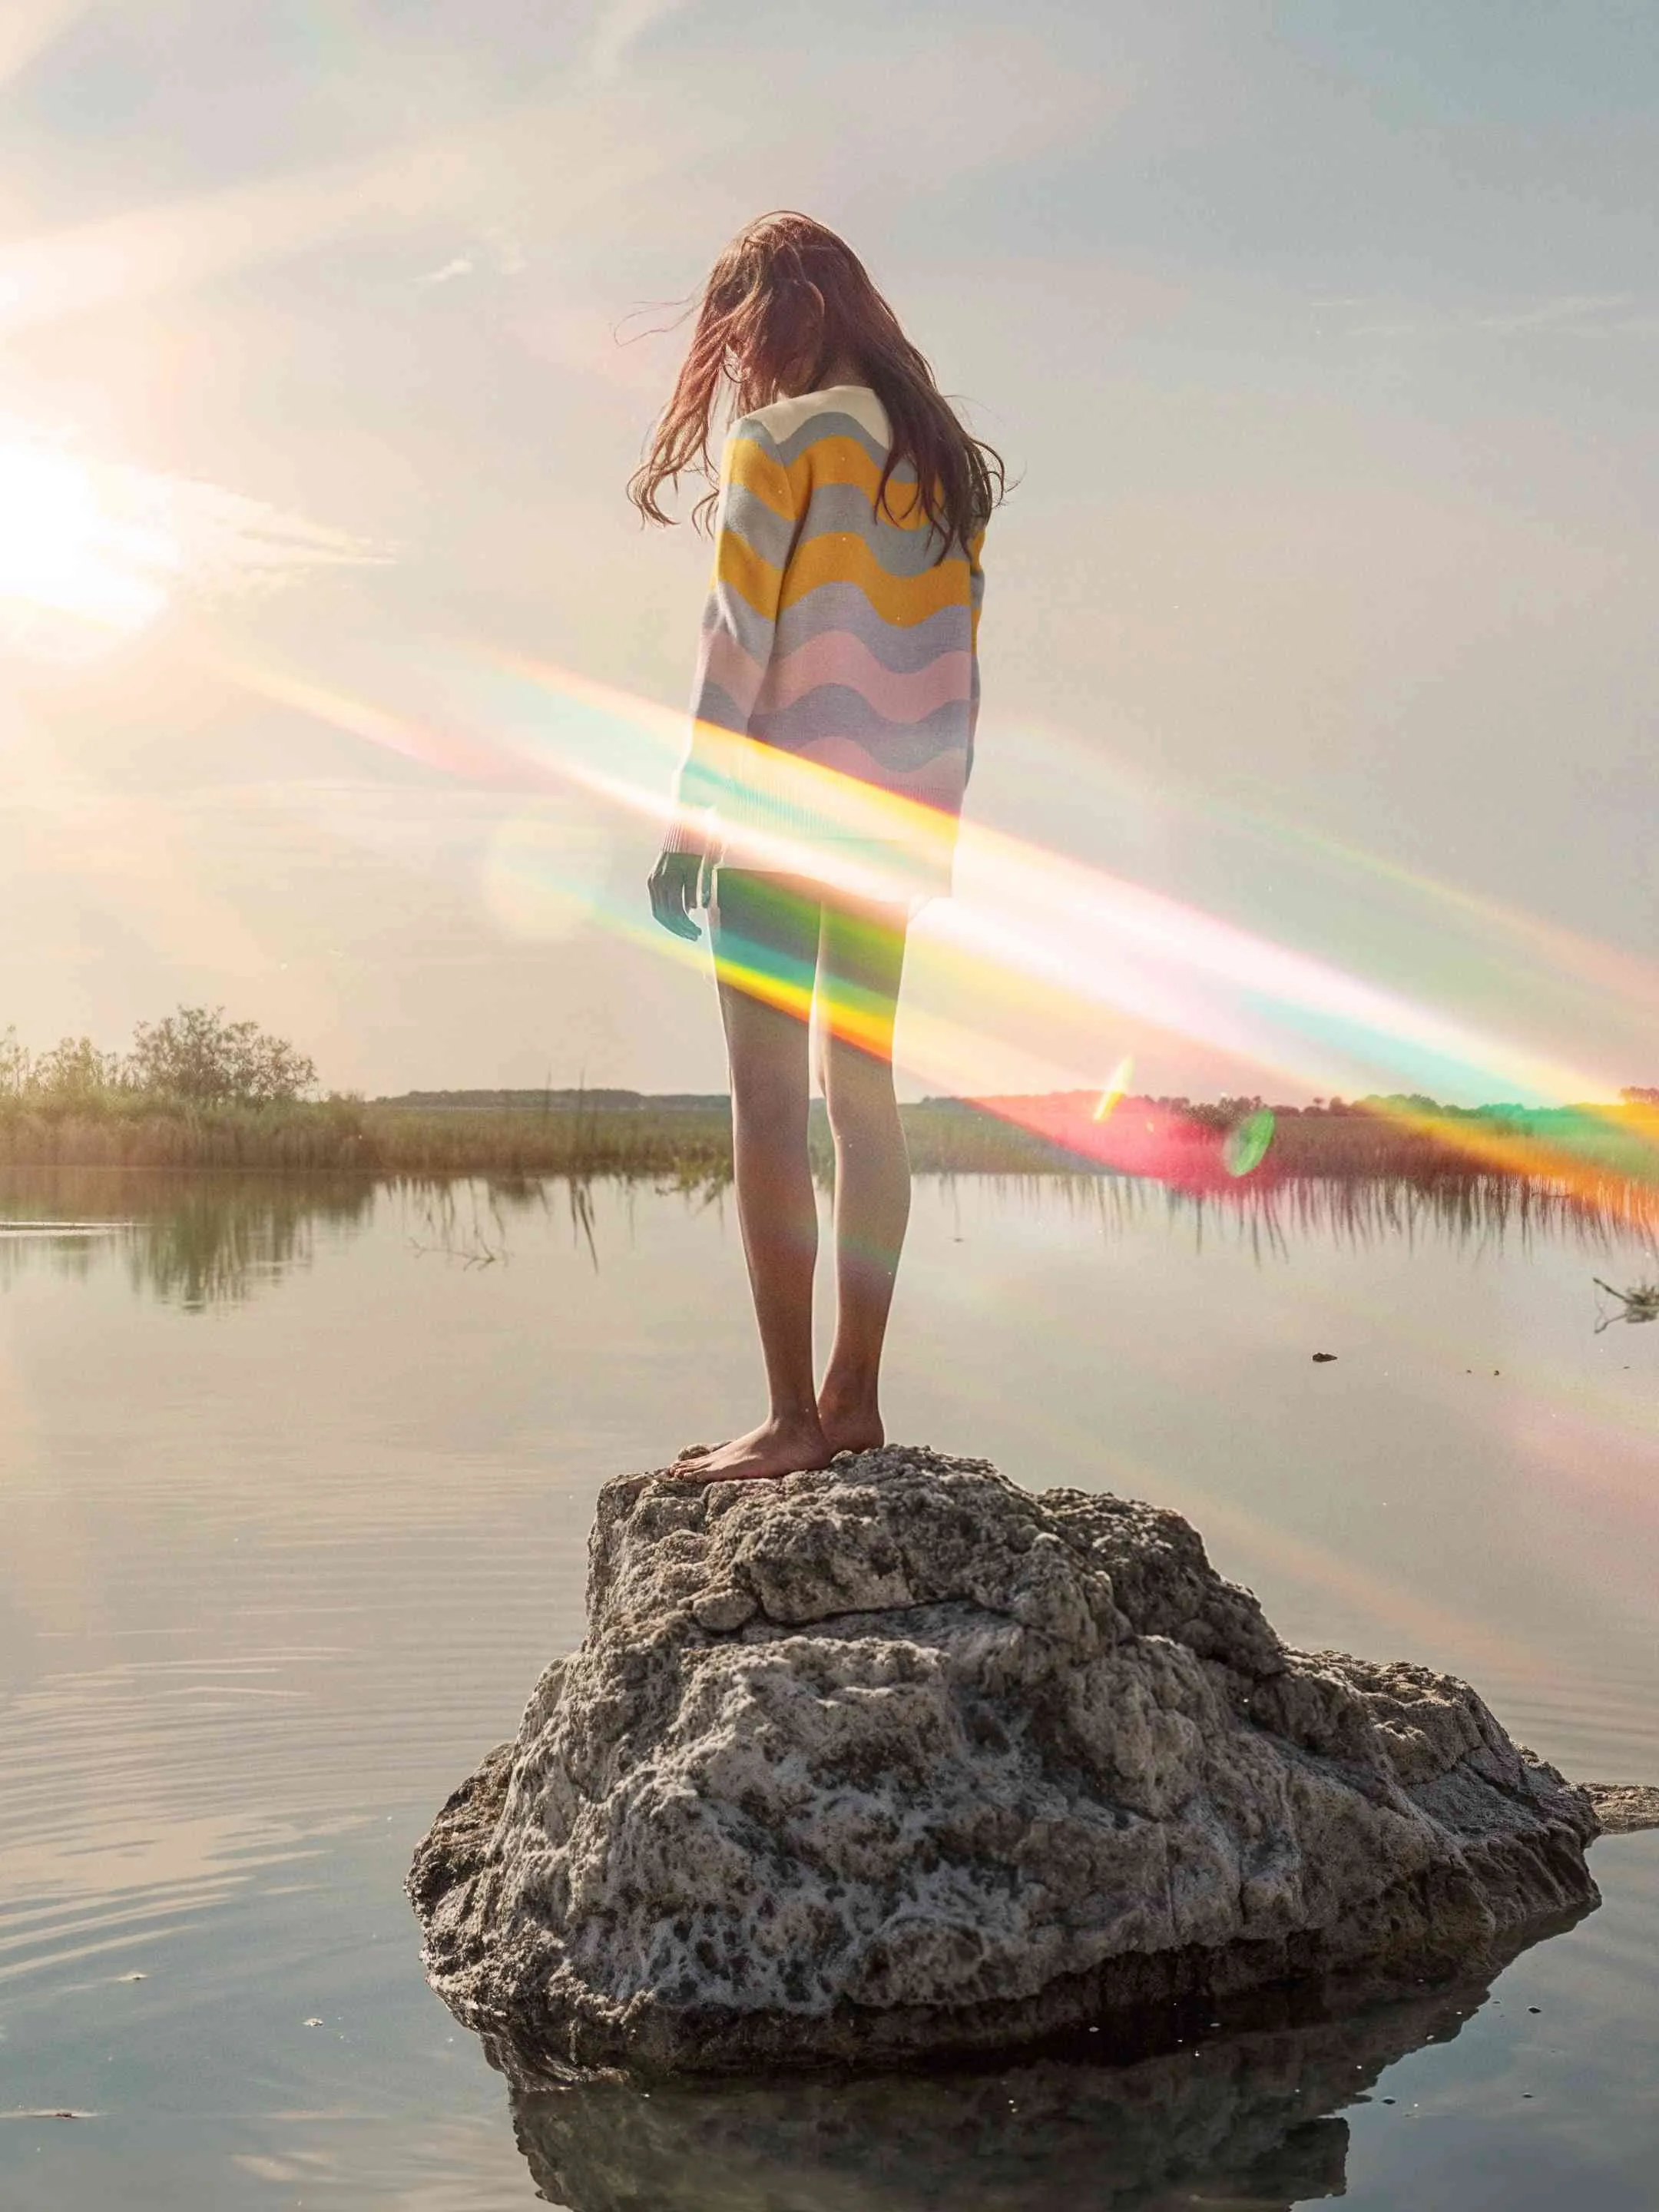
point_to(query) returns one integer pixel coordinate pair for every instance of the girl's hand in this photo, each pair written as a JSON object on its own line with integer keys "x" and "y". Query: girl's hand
{"x": 678, "y": 883}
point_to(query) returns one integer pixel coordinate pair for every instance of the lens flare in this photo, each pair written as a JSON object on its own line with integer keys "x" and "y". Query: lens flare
{"x": 1112, "y": 1095}
{"x": 1013, "y": 975}
{"x": 1245, "y": 1146}
{"x": 543, "y": 874}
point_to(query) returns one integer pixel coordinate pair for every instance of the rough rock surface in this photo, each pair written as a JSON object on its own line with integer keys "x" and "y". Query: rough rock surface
{"x": 901, "y": 1758}
{"x": 1622, "y": 1807}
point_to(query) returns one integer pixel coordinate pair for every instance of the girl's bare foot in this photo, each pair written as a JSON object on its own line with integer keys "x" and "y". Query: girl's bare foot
{"x": 776, "y": 1447}
{"x": 852, "y": 1424}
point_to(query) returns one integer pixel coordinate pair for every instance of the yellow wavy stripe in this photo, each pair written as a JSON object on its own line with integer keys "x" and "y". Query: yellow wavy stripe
{"x": 844, "y": 461}
{"x": 834, "y": 557}
{"x": 842, "y": 560}
{"x": 837, "y": 559}
{"x": 826, "y": 461}
{"x": 741, "y": 569}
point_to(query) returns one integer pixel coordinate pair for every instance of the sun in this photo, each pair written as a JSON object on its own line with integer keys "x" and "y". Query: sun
{"x": 93, "y": 550}
{"x": 80, "y": 540}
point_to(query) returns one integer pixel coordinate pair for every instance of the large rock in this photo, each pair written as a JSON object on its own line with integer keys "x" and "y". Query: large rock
{"x": 901, "y": 1758}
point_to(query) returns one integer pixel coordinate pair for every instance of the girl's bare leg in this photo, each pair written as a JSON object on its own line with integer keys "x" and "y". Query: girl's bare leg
{"x": 860, "y": 963}
{"x": 765, "y": 938}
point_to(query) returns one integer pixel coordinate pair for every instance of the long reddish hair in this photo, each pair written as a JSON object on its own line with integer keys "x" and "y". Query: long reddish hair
{"x": 786, "y": 300}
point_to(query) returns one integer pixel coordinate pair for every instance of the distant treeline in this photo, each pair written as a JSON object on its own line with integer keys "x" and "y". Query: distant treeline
{"x": 198, "y": 1091}
{"x": 690, "y": 1144}
{"x": 195, "y": 1054}
{"x": 550, "y": 1101}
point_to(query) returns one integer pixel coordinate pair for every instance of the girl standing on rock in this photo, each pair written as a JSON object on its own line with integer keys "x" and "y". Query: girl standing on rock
{"x": 837, "y": 694}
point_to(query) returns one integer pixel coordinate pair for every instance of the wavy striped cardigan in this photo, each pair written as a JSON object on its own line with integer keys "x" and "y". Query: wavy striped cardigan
{"x": 837, "y": 686}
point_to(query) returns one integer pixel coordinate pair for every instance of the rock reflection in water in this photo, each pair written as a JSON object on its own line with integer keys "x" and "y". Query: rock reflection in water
{"x": 1251, "y": 2118}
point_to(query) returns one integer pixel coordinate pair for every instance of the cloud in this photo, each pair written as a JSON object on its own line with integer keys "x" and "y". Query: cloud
{"x": 1566, "y": 311}
{"x": 498, "y": 248}
{"x": 1571, "y": 311}
{"x": 620, "y": 28}
{"x": 228, "y": 542}
{"x": 574, "y": 149}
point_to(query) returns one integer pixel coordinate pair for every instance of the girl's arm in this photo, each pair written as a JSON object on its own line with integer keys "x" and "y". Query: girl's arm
{"x": 754, "y": 526}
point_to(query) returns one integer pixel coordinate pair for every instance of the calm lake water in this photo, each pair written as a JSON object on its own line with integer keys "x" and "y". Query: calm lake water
{"x": 295, "y": 1487}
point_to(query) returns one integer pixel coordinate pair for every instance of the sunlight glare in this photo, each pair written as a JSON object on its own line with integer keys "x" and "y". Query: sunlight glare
{"x": 81, "y": 541}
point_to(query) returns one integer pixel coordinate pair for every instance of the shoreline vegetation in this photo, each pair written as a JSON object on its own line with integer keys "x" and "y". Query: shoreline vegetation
{"x": 199, "y": 1093}
{"x": 691, "y": 1135}
{"x": 689, "y": 1138}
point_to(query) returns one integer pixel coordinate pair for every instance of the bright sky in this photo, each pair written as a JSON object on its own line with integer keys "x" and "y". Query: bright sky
{"x": 339, "y": 681}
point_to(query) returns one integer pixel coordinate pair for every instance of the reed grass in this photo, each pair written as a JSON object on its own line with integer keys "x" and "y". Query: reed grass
{"x": 692, "y": 1144}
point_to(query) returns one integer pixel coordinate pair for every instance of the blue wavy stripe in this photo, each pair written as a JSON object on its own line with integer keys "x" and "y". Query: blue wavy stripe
{"x": 904, "y": 649}
{"x": 835, "y": 710}
{"x": 714, "y": 703}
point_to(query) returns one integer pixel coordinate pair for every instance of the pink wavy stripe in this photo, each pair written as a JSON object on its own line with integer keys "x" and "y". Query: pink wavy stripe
{"x": 724, "y": 661}
{"x": 836, "y": 656}
{"x": 937, "y": 782}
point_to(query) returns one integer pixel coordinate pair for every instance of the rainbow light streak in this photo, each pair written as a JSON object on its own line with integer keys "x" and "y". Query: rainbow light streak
{"x": 1398, "y": 1607}
{"x": 1626, "y": 981}
{"x": 850, "y": 1016}
{"x": 1394, "y": 1605}
{"x": 1588, "y": 961}
{"x": 1149, "y": 956}
{"x": 454, "y": 752}
{"x": 1030, "y": 931}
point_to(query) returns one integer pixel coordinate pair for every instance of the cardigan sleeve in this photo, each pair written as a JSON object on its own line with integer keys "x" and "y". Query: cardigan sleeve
{"x": 976, "y": 601}
{"x": 754, "y": 525}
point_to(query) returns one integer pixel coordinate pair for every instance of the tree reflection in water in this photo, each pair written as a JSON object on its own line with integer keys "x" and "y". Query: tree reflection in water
{"x": 195, "y": 1241}
{"x": 210, "y": 1239}
{"x": 206, "y": 1240}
